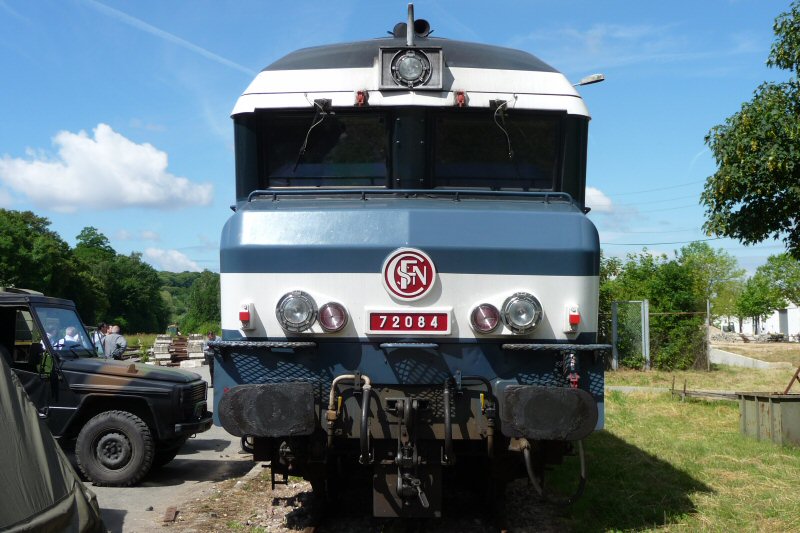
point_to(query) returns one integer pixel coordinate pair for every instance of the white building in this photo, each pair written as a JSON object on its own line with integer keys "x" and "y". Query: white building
{"x": 786, "y": 321}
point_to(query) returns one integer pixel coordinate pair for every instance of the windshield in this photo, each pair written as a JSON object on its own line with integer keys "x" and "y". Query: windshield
{"x": 330, "y": 149}
{"x": 508, "y": 150}
{"x": 410, "y": 148}
{"x": 64, "y": 331}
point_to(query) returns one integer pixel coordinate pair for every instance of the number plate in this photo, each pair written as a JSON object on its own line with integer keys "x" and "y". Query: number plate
{"x": 429, "y": 322}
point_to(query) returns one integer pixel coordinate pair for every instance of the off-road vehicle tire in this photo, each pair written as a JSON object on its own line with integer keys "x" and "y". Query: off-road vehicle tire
{"x": 115, "y": 449}
{"x": 166, "y": 450}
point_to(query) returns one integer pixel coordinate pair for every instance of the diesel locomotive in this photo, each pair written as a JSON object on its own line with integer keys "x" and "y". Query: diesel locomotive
{"x": 409, "y": 281}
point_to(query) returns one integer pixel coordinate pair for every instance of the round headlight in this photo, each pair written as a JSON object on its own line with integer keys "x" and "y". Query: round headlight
{"x": 332, "y": 317}
{"x": 485, "y": 318}
{"x": 296, "y": 311}
{"x": 521, "y": 312}
{"x": 411, "y": 68}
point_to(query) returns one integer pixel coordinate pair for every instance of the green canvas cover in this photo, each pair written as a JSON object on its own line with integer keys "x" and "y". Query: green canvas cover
{"x": 39, "y": 489}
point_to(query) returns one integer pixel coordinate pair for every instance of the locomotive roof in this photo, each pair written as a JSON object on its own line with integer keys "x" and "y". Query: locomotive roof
{"x": 337, "y": 72}
{"x": 361, "y": 54}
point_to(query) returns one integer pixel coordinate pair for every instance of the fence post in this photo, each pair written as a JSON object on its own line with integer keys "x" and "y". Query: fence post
{"x": 708, "y": 335}
{"x": 646, "y": 333}
{"x": 614, "y": 352}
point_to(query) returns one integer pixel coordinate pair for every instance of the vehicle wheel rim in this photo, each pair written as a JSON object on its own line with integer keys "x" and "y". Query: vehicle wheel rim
{"x": 113, "y": 450}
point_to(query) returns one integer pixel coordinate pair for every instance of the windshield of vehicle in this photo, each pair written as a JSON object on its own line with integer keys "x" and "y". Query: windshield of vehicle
{"x": 505, "y": 150}
{"x": 64, "y": 331}
{"x": 403, "y": 147}
{"x": 328, "y": 149}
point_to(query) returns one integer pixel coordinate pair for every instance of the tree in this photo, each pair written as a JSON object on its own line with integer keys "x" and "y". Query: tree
{"x": 204, "y": 303}
{"x": 95, "y": 255}
{"x": 754, "y": 194}
{"x": 758, "y": 299}
{"x": 783, "y": 275}
{"x": 91, "y": 239}
{"x": 677, "y": 303}
{"x": 714, "y": 273}
{"x": 135, "y": 300}
{"x": 32, "y": 256}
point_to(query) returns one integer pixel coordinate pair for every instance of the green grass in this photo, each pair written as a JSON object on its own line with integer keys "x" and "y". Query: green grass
{"x": 668, "y": 465}
{"x": 146, "y": 340}
{"x": 720, "y": 378}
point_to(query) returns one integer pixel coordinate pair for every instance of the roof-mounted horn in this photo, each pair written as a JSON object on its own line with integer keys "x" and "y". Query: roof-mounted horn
{"x": 412, "y": 28}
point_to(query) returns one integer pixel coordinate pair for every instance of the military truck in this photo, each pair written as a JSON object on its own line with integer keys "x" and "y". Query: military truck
{"x": 122, "y": 418}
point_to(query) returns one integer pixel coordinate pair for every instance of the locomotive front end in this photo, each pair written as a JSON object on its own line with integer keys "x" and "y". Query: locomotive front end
{"x": 409, "y": 281}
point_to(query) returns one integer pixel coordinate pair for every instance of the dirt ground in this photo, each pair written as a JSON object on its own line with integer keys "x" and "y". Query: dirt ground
{"x": 249, "y": 504}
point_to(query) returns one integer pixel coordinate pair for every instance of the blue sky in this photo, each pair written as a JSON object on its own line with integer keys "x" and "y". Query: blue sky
{"x": 115, "y": 113}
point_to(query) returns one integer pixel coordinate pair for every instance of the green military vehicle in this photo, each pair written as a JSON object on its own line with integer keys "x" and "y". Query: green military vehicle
{"x": 123, "y": 418}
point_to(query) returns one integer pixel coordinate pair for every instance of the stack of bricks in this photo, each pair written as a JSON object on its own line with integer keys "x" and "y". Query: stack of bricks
{"x": 194, "y": 351}
{"x": 161, "y": 349}
{"x": 179, "y": 350}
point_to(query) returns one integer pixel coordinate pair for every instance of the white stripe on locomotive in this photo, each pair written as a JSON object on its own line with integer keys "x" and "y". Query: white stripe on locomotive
{"x": 523, "y": 89}
{"x": 358, "y": 292}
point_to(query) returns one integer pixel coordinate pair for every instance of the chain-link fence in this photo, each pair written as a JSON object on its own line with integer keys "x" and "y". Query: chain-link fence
{"x": 676, "y": 340}
{"x": 629, "y": 327}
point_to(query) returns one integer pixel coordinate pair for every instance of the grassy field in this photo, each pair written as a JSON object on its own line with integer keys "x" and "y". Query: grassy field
{"x": 766, "y": 351}
{"x": 727, "y": 378}
{"x": 668, "y": 465}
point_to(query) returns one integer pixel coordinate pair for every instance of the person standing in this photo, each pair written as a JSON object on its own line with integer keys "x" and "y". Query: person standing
{"x": 208, "y": 353}
{"x": 114, "y": 344}
{"x": 97, "y": 338}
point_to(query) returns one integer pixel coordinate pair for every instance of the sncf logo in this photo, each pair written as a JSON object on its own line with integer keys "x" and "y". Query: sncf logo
{"x": 408, "y": 274}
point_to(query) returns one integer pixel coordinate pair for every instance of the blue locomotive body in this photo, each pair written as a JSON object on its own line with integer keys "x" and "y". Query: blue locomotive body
{"x": 409, "y": 281}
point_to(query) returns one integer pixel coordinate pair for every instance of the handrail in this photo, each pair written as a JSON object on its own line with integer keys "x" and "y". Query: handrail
{"x": 547, "y": 196}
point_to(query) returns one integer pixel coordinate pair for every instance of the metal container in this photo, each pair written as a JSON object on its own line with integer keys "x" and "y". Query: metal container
{"x": 774, "y": 417}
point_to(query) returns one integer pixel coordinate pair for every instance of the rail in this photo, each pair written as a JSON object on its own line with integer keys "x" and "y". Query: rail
{"x": 702, "y": 394}
{"x": 456, "y": 194}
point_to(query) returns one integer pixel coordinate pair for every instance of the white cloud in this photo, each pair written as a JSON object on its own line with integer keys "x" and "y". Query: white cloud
{"x": 5, "y": 199}
{"x": 599, "y": 202}
{"x": 148, "y": 235}
{"x": 108, "y": 171}
{"x": 170, "y": 260}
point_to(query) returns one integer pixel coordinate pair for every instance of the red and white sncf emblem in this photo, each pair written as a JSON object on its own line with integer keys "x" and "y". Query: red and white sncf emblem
{"x": 408, "y": 274}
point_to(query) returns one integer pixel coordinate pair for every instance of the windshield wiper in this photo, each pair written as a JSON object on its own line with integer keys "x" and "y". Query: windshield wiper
{"x": 499, "y": 112}
{"x": 322, "y": 108}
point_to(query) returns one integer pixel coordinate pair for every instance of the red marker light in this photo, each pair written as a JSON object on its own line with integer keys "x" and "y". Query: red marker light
{"x": 574, "y": 319}
{"x": 332, "y": 317}
{"x": 485, "y": 318}
{"x": 244, "y": 316}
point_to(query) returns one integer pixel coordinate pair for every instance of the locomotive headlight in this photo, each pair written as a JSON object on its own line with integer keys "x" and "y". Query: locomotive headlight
{"x": 522, "y": 312}
{"x": 332, "y": 317}
{"x": 411, "y": 68}
{"x": 296, "y": 311}
{"x": 485, "y": 318}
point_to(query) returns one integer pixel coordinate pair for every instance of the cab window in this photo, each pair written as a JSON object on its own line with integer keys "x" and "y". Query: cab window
{"x": 26, "y": 350}
{"x": 64, "y": 331}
